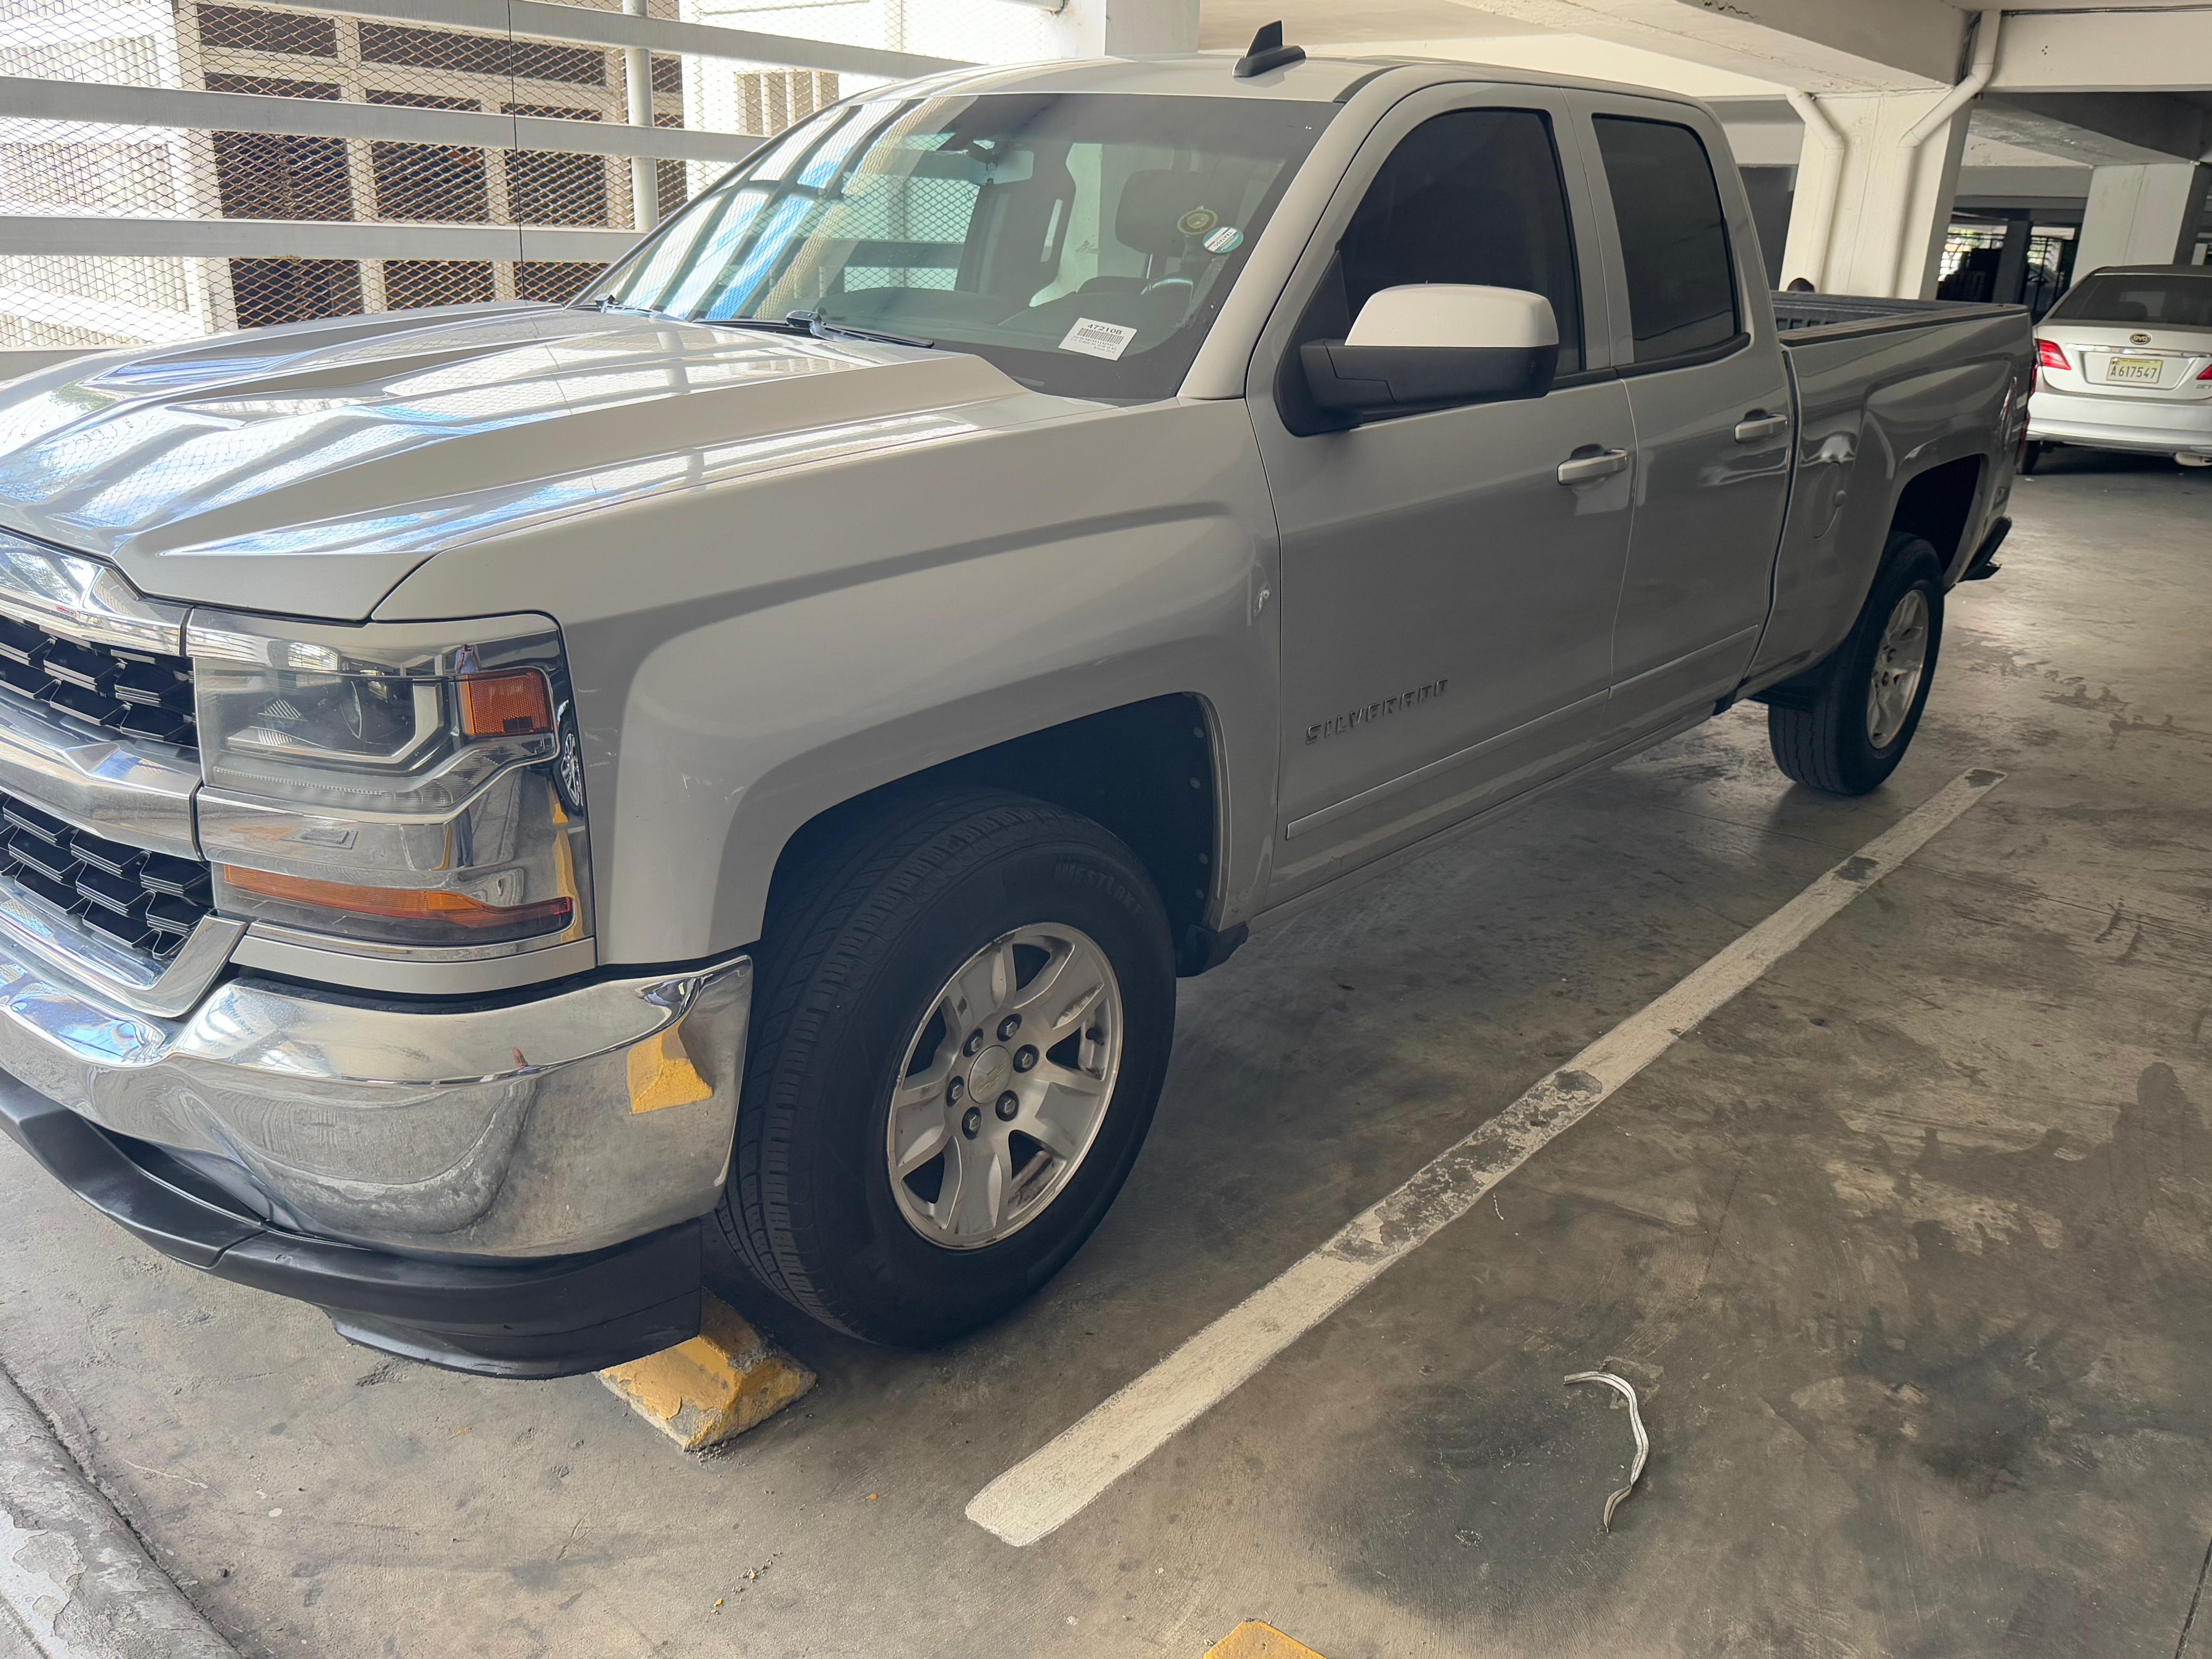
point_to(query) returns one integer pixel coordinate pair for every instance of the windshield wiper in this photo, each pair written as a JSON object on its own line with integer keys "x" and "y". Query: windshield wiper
{"x": 814, "y": 324}
{"x": 773, "y": 325}
{"x": 805, "y": 322}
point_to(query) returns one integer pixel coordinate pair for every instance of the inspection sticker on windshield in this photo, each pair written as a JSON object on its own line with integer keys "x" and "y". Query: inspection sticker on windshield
{"x": 1098, "y": 339}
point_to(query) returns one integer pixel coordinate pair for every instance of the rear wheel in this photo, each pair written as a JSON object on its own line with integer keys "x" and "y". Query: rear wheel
{"x": 2030, "y": 456}
{"x": 967, "y": 1006}
{"x": 1844, "y": 727}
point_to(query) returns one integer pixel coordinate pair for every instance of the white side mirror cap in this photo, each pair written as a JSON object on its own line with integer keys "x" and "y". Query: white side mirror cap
{"x": 1456, "y": 314}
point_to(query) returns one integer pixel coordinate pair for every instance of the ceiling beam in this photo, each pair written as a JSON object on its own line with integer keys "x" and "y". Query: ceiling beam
{"x": 2104, "y": 52}
{"x": 2097, "y": 129}
{"x": 1815, "y": 45}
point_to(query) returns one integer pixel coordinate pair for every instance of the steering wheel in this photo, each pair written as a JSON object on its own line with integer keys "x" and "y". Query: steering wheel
{"x": 1155, "y": 286}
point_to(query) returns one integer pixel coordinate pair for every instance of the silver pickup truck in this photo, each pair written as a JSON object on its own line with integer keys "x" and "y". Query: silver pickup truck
{"x": 491, "y": 793}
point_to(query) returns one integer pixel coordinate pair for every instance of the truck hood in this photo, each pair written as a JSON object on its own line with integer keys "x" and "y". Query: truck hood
{"x": 307, "y": 470}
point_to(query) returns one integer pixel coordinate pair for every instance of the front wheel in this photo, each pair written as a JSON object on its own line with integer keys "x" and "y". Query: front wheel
{"x": 968, "y": 1004}
{"x": 1844, "y": 727}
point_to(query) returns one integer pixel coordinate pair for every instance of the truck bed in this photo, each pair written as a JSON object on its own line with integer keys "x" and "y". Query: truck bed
{"x": 1880, "y": 385}
{"x": 1802, "y": 318}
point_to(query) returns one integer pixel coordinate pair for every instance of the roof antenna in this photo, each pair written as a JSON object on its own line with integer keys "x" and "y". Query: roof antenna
{"x": 1268, "y": 53}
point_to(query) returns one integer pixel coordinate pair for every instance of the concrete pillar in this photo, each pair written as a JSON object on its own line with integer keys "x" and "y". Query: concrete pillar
{"x": 2012, "y": 262}
{"x": 1890, "y": 206}
{"x": 1769, "y": 190}
{"x": 2141, "y": 215}
{"x": 1124, "y": 28}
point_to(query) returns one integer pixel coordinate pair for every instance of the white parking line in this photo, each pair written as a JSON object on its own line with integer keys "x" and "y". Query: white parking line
{"x": 1055, "y": 1482}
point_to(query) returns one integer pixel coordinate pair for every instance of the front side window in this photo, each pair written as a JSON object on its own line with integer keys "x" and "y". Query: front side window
{"x": 2174, "y": 299}
{"x": 1673, "y": 240}
{"x": 1082, "y": 242}
{"x": 1472, "y": 197}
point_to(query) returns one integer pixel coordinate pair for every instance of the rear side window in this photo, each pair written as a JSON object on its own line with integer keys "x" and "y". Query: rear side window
{"x": 1472, "y": 197}
{"x": 1674, "y": 242}
{"x": 2174, "y": 299}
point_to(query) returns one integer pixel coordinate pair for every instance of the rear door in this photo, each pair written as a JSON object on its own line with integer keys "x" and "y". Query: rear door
{"x": 1447, "y": 597}
{"x": 1710, "y": 399}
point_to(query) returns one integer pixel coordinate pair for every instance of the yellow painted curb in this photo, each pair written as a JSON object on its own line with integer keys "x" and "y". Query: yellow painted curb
{"x": 1254, "y": 1640}
{"x": 713, "y": 1388}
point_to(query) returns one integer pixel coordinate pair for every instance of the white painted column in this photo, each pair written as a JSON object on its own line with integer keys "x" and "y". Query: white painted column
{"x": 2141, "y": 215}
{"x": 1892, "y": 205}
{"x": 1125, "y": 28}
{"x": 637, "y": 89}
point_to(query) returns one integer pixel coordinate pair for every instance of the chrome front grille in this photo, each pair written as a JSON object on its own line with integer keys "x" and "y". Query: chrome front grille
{"x": 77, "y": 638}
{"x": 97, "y": 761}
{"x": 147, "y": 694}
{"x": 148, "y": 900}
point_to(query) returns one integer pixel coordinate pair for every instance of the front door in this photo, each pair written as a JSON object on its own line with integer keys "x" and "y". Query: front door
{"x": 1447, "y": 598}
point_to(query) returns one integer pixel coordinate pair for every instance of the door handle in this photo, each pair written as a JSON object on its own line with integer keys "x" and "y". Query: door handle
{"x": 1760, "y": 424}
{"x": 1581, "y": 468}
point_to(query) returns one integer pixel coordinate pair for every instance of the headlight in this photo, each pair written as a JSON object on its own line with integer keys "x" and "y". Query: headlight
{"x": 395, "y": 785}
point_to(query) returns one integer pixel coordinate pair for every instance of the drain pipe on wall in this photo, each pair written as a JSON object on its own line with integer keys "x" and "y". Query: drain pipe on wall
{"x": 1831, "y": 183}
{"x": 1986, "y": 25}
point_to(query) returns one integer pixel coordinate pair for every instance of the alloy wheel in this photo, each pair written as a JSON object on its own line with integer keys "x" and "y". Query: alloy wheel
{"x": 1899, "y": 663}
{"x": 1004, "y": 1085}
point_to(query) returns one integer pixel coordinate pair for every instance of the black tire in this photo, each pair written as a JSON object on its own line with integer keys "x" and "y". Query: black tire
{"x": 2030, "y": 456}
{"x": 1817, "y": 726}
{"x": 853, "y": 959}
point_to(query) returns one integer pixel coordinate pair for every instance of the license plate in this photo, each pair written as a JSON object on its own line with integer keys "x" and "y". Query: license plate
{"x": 2134, "y": 368}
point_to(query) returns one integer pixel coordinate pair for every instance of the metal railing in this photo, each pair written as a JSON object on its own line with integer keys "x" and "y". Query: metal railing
{"x": 170, "y": 168}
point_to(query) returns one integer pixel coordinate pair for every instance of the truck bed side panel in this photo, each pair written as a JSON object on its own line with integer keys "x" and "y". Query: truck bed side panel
{"x": 1875, "y": 409}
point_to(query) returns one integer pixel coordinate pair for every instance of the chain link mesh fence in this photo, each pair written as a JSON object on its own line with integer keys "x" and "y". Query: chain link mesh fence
{"x": 340, "y": 225}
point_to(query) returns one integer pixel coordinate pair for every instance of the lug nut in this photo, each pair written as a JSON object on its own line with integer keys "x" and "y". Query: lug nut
{"x": 1025, "y": 1057}
{"x": 1008, "y": 1105}
{"x": 974, "y": 1045}
{"x": 971, "y": 1121}
{"x": 1009, "y": 1026}
{"x": 954, "y": 1089}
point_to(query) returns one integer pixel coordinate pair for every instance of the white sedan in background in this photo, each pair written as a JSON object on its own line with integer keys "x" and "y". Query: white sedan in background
{"x": 2124, "y": 362}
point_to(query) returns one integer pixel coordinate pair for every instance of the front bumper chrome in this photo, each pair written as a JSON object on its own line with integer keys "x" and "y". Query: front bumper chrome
{"x": 560, "y": 1124}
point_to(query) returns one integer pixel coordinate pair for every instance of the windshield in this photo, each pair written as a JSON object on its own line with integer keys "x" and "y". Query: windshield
{"x": 1083, "y": 242}
{"x": 2175, "y": 299}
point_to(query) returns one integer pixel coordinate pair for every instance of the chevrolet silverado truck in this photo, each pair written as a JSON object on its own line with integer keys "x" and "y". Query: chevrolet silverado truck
{"x": 491, "y": 794}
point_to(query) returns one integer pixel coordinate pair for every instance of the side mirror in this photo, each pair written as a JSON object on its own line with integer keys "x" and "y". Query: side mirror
{"x": 1434, "y": 346}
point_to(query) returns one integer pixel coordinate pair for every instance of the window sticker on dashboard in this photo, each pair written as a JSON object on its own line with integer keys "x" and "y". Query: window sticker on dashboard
{"x": 1098, "y": 339}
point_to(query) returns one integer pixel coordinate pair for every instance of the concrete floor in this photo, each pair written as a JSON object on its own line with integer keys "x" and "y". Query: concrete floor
{"x": 1908, "y": 1247}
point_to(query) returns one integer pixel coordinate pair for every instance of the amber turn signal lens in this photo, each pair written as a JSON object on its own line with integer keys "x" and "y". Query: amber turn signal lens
{"x": 405, "y": 903}
{"x": 516, "y": 705}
